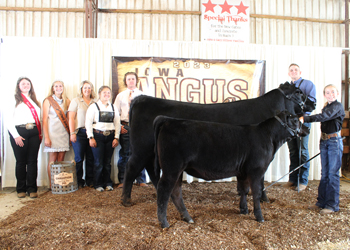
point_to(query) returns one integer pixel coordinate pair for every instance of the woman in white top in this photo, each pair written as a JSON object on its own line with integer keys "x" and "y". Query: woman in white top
{"x": 102, "y": 128}
{"x": 80, "y": 142}
{"x": 55, "y": 124}
{"x": 23, "y": 124}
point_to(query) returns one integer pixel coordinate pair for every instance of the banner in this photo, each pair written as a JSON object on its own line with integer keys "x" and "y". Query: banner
{"x": 192, "y": 80}
{"x": 225, "y": 21}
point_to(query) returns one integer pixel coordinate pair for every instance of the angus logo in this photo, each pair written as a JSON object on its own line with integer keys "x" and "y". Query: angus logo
{"x": 192, "y": 80}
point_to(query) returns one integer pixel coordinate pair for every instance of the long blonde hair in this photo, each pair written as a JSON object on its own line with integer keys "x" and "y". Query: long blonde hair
{"x": 64, "y": 96}
{"x": 92, "y": 95}
{"x": 324, "y": 91}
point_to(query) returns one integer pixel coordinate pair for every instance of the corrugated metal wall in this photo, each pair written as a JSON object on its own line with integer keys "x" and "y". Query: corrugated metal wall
{"x": 42, "y": 23}
{"x": 265, "y": 29}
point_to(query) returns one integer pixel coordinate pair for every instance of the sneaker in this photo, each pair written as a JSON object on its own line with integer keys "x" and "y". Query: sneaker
{"x": 120, "y": 185}
{"x": 326, "y": 211}
{"x": 314, "y": 207}
{"x": 109, "y": 188}
{"x": 21, "y": 195}
{"x": 100, "y": 189}
{"x": 302, "y": 187}
{"x": 33, "y": 195}
{"x": 288, "y": 184}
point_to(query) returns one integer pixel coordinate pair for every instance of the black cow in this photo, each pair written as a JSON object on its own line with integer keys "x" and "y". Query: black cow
{"x": 144, "y": 110}
{"x": 213, "y": 151}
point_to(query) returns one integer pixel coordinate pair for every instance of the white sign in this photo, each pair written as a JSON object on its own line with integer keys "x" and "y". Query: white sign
{"x": 226, "y": 21}
{"x": 63, "y": 179}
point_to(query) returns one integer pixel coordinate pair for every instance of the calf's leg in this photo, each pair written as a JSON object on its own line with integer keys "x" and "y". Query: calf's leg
{"x": 264, "y": 197}
{"x": 132, "y": 170}
{"x": 164, "y": 190}
{"x": 256, "y": 190}
{"x": 243, "y": 189}
{"x": 178, "y": 201}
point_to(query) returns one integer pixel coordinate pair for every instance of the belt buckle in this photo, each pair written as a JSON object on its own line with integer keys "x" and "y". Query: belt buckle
{"x": 29, "y": 126}
{"x": 106, "y": 133}
{"x": 324, "y": 136}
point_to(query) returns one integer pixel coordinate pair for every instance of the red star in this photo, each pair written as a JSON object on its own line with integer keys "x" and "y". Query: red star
{"x": 241, "y": 8}
{"x": 209, "y": 6}
{"x": 225, "y": 7}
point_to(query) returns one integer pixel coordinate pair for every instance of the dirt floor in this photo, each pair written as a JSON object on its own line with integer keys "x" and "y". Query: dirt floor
{"x": 87, "y": 219}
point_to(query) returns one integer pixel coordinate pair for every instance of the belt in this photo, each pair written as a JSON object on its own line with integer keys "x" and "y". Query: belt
{"x": 325, "y": 136}
{"x": 125, "y": 123}
{"x": 105, "y": 133}
{"x": 28, "y": 126}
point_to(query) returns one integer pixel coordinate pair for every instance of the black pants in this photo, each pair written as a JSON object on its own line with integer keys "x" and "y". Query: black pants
{"x": 26, "y": 160}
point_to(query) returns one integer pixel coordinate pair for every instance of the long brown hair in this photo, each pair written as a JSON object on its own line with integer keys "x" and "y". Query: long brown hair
{"x": 18, "y": 96}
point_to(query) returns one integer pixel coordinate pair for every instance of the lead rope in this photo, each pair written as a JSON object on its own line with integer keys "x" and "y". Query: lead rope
{"x": 291, "y": 172}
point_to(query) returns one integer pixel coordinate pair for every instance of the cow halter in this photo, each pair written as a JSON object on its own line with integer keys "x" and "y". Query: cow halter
{"x": 294, "y": 99}
{"x": 293, "y": 132}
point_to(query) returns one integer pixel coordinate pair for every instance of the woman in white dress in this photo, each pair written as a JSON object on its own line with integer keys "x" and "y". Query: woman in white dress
{"x": 55, "y": 124}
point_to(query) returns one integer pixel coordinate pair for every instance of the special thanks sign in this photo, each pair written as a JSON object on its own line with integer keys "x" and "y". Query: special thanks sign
{"x": 225, "y": 21}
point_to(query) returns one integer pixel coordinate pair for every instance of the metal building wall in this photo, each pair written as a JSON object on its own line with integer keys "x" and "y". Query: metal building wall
{"x": 173, "y": 27}
{"x": 42, "y": 23}
{"x": 267, "y": 24}
{"x": 301, "y": 33}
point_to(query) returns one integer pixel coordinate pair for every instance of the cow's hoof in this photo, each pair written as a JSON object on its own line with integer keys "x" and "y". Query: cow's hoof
{"x": 264, "y": 198}
{"x": 126, "y": 203}
{"x": 190, "y": 221}
{"x": 259, "y": 218}
{"x": 244, "y": 211}
{"x": 164, "y": 224}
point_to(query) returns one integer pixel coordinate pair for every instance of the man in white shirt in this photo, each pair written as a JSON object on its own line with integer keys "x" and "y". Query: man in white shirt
{"x": 122, "y": 102}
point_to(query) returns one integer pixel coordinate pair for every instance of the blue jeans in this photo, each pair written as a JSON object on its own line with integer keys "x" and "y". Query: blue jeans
{"x": 82, "y": 149}
{"x": 331, "y": 159}
{"x": 124, "y": 154}
{"x": 102, "y": 160}
{"x": 293, "y": 146}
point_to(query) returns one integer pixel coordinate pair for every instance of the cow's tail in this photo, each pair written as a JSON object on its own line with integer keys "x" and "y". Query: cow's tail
{"x": 157, "y": 125}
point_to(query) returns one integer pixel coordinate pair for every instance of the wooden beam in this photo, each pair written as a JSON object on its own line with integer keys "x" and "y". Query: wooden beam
{"x": 42, "y": 9}
{"x": 301, "y": 19}
{"x": 169, "y": 12}
{"x": 132, "y": 11}
{"x": 91, "y": 15}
